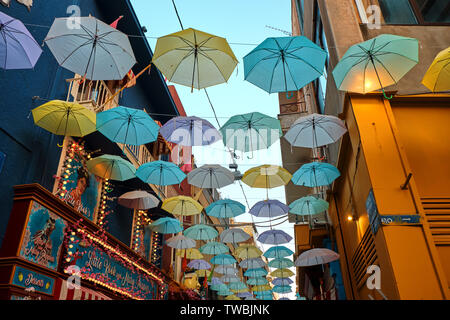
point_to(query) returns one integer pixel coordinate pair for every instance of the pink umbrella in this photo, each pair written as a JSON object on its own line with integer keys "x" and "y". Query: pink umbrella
{"x": 315, "y": 257}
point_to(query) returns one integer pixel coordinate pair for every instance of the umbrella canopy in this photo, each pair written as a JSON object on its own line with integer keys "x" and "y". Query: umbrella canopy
{"x": 247, "y": 251}
{"x": 65, "y": 118}
{"x": 282, "y": 273}
{"x": 278, "y": 252}
{"x": 161, "y": 173}
{"x": 316, "y": 174}
{"x": 166, "y": 226}
{"x": 274, "y": 237}
{"x": 225, "y": 209}
{"x": 232, "y": 297}
{"x": 250, "y": 298}
{"x": 282, "y": 281}
{"x": 253, "y": 263}
{"x": 238, "y": 285}
{"x": 226, "y": 292}
{"x": 94, "y": 50}
{"x": 111, "y": 167}
{"x": 199, "y": 264}
{"x": 315, "y": 130}
{"x": 190, "y": 131}
{"x": 269, "y": 209}
{"x": 256, "y": 273}
{"x": 182, "y": 206}
{"x": 281, "y": 263}
{"x": 215, "y": 281}
{"x": 308, "y": 206}
{"x": 210, "y": 177}
{"x": 376, "y": 63}
{"x": 315, "y": 257}
{"x": 284, "y": 64}
{"x": 190, "y": 253}
{"x": 127, "y": 126}
{"x": 18, "y": 48}
{"x": 234, "y": 235}
{"x": 266, "y": 176}
{"x": 194, "y": 58}
{"x": 246, "y": 294}
{"x": 230, "y": 278}
{"x": 437, "y": 78}
{"x": 180, "y": 242}
{"x": 284, "y": 298}
{"x": 251, "y": 132}
{"x": 223, "y": 259}
{"x": 201, "y": 232}
{"x": 263, "y": 287}
{"x": 139, "y": 200}
{"x": 257, "y": 281}
{"x": 219, "y": 287}
{"x": 226, "y": 270}
{"x": 282, "y": 289}
{"x": 214, "y": 248}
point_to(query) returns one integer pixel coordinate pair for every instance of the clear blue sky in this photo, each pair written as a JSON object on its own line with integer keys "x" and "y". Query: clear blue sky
{"x": 243, "y": 24}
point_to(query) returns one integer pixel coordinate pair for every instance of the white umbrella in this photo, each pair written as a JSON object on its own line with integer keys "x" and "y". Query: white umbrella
{"x": 181, "y": 242}
{"x": 252, "y": 263}
{"x": 226, "y": 270}
{"x": 92, "y": 49}
{"x": 230, "y": 279}
{"x": 315, "y": 257}
{"x": 234, "y": 235}
{"x": 139, "y": 200}
{"x": 315, "y": 130}
{"x": 210, "y": 177}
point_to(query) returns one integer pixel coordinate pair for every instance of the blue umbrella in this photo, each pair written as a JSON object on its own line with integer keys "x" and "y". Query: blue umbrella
{"x": 257, "y": 281}
{"x": 282, "y": 289}
{"x": 278, "y": 252}
{"x": 281, "y": 263}
{"x": 239, "y": 285}
{"x": 255, "y": 273}
{"x": 220, "y": 287}
{"x": 127, "y": 126}
{"x": 284, "y": 64}
{"x": 244, "y": 294}
{"x": 274, "y": 237}
{"x": 201, "y": 232}
{"x": 199, "y": 264}
{"x": 166, "y": 225}
{"x": 315, "y": 174}
{"x": 282, "y": 281}
{"x": 284, "y": 298}
{"x": 226, "y": 270}
{"x": 269, "y": 209}
{"x": 215, "y": 281}
{"x": 214, "y": 248}
{"x": 190, "y": 131}
{"x": 161, "y": 173}
{"x": 308, "y": 206}
{"x": 223, "y": 259}
{"x": 225, "y": 209}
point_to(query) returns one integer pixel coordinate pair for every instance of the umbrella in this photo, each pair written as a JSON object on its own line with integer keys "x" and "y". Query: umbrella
{"x": 65, "y": 118}
{"x": 190, "y": 131}
{"x": 246, "y": 294}
{"x": 182, "y": 206}
{"x": 225, "y": 209}
{"x": 215, "y": 281}
{"x": 269, "y": 209}
{"x": 281, "y": 263}
{"x": 315, "y": 130}
{"x": 201, "y": 232}
{"x": 253, "y": 263}
{"x": 18, "y": 48}
{"x": 226, "y": 292}
{"x": 239, "y": 285}
{"x": 263, "y": 287}
{"x": 199, "y": 264}
{"x": 111, "y": 167}
{"x": 161, "y": 173}
{"x": 251, "y": 132}
{"x": 266, "y": 176}
{"x": 226, "y": 270}
{"x": 210, "y": 177}
{"x": 190, "y": 253}
{"x": 181, "y": 242}
{"x": 315, "y": 257}
{"x": 274, "y": 237}
{"x": 437, "y": 78}
{"x": 166, "y": 225}
{"x": 284, "y": 298}
{"x": 219, "y": 287}
{"x": 263, "y": 293}
{"x": 278, "y": 252}
{"x": 234, "y": 235}
{"x": 284, "y": 64}
{"x": 232, "y": 297}
{"x": 127, "y": 126}
{"x": 139, "y": 200}
{"x": 250, "y": 298}
{"x": 282, "y": 281}
{"x": 230, "y": 278}
{"x": 308, "y": 206}
{"x": 255, "y": 273}
{"x": 315, "y": 174}
{"x": 257, "y": 281}
{"x": 376, "y": 63}
{"x": 247, "y": 251}
{"x": 194, "y": 58}
{"x": 282, "y": 273}
{"x": 223, "y": 259}
{"x": 94, "y": 50}
{"x": 282, "y": 289}
{"x": 214, "y": 248}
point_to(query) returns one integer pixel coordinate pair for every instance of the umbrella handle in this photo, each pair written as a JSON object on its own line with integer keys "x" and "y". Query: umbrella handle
{"x": 388, "y": 98}
{"x": 60, "y": 146}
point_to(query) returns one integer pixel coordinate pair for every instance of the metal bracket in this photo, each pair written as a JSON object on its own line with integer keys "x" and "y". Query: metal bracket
{"x": 405, "y": 185}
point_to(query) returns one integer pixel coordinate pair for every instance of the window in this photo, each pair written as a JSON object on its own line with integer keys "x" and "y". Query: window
{"x": 433, "y": 11}
{"x": 415, "y": 11}
{"x": 397, "y": 12}
{"x": 321, "y": 41}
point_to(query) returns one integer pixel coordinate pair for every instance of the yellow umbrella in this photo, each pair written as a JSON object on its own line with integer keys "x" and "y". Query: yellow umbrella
{"x": 194, "y": 58}
{"x": 267, "y": 176}
{"x": 182, "y": 206}
{"x": 65, "y": 118}
{"x": 282, "y": 273}
{"x": 240, "y": 290}
{"x": 247, "y": 251}
{"x": 437, "y": 78}
{"x": 232, "y": 297}
{"x": 264, "y": 287}
{"x": 191, "y": 253}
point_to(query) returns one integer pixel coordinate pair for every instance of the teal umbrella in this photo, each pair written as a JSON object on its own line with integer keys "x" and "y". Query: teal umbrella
{"x": 127, "y": 126}
{"x": 255, "y": 273}
{"x": 239, "y": 285}
{"x": 251, "y": 132}
{"x": 315, "y": 174}
{"x": 111, "y": 167}
{"x": 257, "y": 281}
{"x": 161, "y": 173}
{"x": 166, "y": 225}
{"x": 281, "y": 263}
{"x": 226, "y": 292}
{"x": 214, "y": 248}
{"x": 201, "y": 232}
{"x": 223, "y": 259}
{"x": 284, "y": 64}
{"x": 278, "y": 252}
{"x": 225, "y": 208}
{"x": 308, "y": 206}
{"x": 219, "y": 287}
{"x": 282, "y": 289}
{"x": 376, "y": 63}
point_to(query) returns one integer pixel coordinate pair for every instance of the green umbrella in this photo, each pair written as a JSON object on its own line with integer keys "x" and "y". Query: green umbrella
{"x": 308, "y": 206}
{"x": 376, "y": 63}
{"x": 281, "y": 263}
{"x": 111, "y": 167}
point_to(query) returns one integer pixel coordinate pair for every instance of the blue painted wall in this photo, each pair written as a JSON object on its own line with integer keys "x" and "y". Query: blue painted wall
{"x": 335, "y": 268}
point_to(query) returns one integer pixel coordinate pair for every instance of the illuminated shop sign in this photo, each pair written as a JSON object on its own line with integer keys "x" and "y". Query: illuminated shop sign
{"x": 33, "y": 280}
